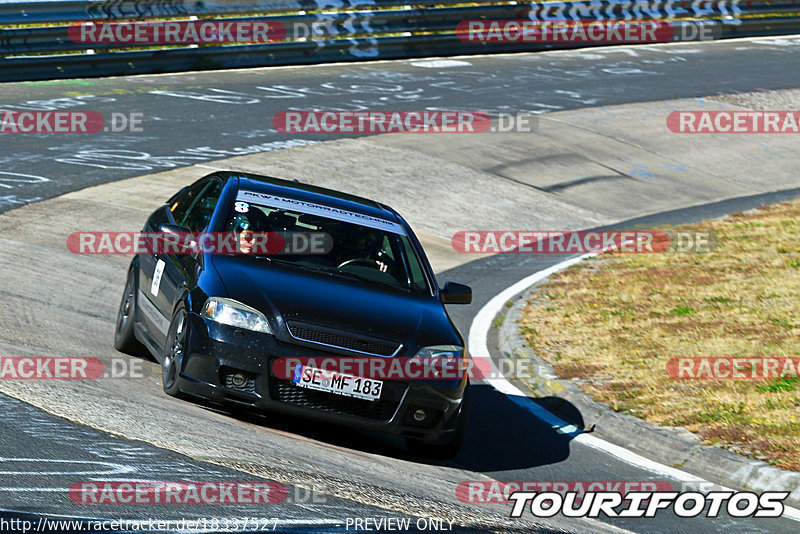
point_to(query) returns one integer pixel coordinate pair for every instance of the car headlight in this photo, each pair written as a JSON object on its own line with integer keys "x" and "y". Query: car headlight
{"x": 236, "y": 314}
{"x": 441, "y": 351}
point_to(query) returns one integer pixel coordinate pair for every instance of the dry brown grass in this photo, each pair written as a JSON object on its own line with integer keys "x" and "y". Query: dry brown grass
{"x": 611, "y": 324}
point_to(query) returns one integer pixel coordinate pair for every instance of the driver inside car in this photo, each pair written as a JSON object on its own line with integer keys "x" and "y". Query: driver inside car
{"x": 360, "y": 244}
{"x": 245, "y": 226}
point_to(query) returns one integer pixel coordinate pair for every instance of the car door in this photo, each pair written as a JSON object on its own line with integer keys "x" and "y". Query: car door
{"x": 180, "y": 271}
{"x": 153, "y": 265}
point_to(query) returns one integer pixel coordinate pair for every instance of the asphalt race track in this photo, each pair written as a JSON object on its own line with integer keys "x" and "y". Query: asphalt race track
{"x": 197, "y": 118}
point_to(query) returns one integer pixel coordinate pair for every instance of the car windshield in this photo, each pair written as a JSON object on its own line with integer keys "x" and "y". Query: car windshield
{"x": 372, "y": 250}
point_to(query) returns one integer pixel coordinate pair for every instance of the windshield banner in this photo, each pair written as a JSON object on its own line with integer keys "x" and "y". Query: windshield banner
{"x": 312, "y": 208}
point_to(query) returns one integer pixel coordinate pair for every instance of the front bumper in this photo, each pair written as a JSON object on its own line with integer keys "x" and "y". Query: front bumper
{"x": 216, "y": 352}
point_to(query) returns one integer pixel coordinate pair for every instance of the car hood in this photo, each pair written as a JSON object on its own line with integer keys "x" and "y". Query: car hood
{"x": 287, "y": 294}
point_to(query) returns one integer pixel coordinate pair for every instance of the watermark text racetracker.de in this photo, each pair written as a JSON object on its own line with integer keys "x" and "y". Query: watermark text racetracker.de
{"x": 733, "y": 368}
{"x": 586, "y": 31}
{"x": 734, "y": 122}
{"x": 332, "y": 369}
{"x": 67, "y": 368}
{"x": 69, "y": 122}
{"x": 194, "y": 243}
{"x": 374, "y": 122}
{"x": 582, "y": 242}
{"x": 177, "y": 32}
{"x": 179, "y": 493}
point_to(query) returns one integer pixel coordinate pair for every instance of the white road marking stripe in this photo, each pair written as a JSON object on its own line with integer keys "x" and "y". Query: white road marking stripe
{"x": 114, "y": 468}
{"x": 214, "y": 168}
{"x": 36, "y": 490}
{"x": 478, "y": 332}
{"x": 440, "y": 63}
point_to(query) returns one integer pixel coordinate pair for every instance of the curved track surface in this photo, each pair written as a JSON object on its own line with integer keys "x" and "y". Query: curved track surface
{"x": 200, "y": 117}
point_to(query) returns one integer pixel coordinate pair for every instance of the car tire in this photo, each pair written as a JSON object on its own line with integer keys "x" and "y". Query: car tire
{"x": 174, "y": 351}
{"x": 124, "y": 339}
{"x": 449, "y": 448}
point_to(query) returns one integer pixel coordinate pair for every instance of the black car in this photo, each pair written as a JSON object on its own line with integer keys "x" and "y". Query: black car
{"x": 220, "y": 323}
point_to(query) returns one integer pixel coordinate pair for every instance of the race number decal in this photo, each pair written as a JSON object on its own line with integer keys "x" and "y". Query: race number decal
{"x": 241, "y": 207}
{"x": 156, "y": 285}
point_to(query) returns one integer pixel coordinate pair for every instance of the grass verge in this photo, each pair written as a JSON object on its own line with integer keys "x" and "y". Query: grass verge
{"x": 611, "y": 323}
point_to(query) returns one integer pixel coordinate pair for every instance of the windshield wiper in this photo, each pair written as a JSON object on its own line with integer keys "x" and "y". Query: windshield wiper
{"x": 341, "y": 274}
{"x": 354, "y": 276}
{"x": 273, "y": 259}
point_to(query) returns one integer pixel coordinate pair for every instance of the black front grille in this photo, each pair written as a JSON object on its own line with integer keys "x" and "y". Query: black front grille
{"x": 285, "y": 391}
{"x": 314, "y": 334}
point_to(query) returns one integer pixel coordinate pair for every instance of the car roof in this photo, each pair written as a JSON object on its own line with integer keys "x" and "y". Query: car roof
{"x": 310, "y": 193}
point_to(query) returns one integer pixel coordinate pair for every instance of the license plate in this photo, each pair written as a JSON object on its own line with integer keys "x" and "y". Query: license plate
{"x": 337, "y": 383}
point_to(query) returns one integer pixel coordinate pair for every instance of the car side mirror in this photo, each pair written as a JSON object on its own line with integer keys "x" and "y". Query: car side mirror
{"x": 454, "y": 293}
{"x": 167, "y": 228}
{"x": 176, "y": 229}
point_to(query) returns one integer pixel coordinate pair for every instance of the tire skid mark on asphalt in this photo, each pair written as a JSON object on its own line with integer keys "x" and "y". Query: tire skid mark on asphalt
{"x": 299, "y": 438}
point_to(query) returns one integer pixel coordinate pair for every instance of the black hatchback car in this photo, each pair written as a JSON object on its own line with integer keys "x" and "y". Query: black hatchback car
{"x": 219, "y": 323}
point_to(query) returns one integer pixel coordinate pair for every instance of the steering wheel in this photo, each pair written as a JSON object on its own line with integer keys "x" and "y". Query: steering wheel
{"x": 369, "y": 263}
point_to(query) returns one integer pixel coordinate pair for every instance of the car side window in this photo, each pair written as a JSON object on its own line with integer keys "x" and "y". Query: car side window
{"x": 184, "y": 200}
{"x": 386, "y": 248}
{"x": 417, "y": 276}
{"x": 201, "y": 210}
